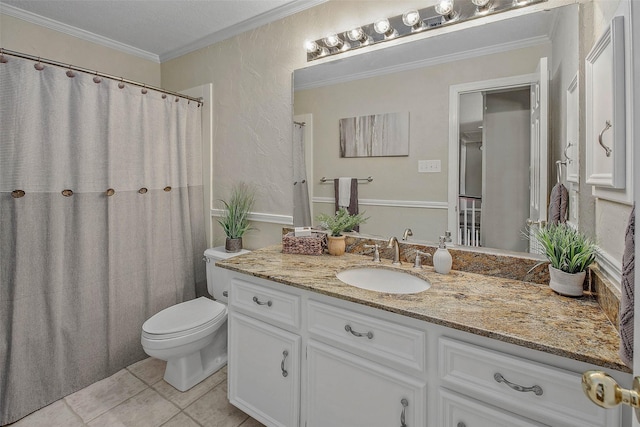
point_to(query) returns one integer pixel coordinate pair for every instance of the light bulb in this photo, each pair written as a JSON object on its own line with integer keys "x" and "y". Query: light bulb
{"x": 411, "y": 18}
{"x": 315, "y": 49}
{"x": 358, "y": 35}
{"x": 482, "y": 6}
{"x": 332, "y": 40}
{"x": 382, "y": 26}
{"x": 444, "y": 7}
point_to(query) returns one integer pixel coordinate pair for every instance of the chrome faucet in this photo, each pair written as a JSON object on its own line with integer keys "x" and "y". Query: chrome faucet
{"x": 393, "y": 243}
{"x": 407, "y": 233}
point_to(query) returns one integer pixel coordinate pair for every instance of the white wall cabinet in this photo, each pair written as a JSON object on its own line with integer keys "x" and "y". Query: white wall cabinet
{"x": 351, "y": 365}
{"x": 605, "y": 109}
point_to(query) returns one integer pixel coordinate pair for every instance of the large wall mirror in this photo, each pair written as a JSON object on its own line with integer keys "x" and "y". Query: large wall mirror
{"x": 465, "y": 135}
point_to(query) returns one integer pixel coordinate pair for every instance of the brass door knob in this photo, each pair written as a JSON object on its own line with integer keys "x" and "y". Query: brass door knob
{"x": 605, "y": 392}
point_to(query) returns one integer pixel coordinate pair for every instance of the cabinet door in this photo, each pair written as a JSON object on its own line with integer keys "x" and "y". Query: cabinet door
{"x": 346, "y": 390}
{"x": 461, "y": 411}
{"x": 264, "y": 371}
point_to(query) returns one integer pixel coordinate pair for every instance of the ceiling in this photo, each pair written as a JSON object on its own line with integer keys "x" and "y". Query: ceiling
{"x": 158, "y": 30}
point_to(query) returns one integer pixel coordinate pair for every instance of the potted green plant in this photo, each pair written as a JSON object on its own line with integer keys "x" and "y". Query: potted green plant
{"x": 337, "y": 224}
{"x": 569, "y": 253}
{"x": 235, "y": 219}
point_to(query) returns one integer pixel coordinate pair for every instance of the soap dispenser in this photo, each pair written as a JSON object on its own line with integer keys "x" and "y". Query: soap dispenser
{"x": 442, "y": 258}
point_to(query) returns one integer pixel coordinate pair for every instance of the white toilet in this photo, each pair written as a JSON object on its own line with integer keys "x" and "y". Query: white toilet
{"x": 192, "y": 336}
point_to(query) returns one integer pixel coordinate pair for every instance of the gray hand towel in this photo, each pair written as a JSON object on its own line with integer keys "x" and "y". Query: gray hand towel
{"x": 558, "y": 204}
{"x": 353, "y": 200}
{"x": 628, "y": 280}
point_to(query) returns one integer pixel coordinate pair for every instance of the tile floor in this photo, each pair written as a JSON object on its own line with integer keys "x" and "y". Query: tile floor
{"x": 137, "y": 396}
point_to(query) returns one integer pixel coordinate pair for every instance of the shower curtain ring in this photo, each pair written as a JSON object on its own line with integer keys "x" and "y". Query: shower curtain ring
{"x": 144, "y": 90}
{"x": 3, "y": 60}
{"x": 38, "y": 65}
{"x": 70, "y": 72}
{"x": 121, "y": 84}
{"x": 96, "y": 78}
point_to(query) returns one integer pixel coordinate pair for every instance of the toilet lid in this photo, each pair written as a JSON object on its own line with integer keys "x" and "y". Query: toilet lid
{"x": 184, "y": 316}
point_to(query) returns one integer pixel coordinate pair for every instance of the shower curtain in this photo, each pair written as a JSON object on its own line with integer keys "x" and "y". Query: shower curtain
{"x": 101, "y": 226}
{"x": 301, "y": 208}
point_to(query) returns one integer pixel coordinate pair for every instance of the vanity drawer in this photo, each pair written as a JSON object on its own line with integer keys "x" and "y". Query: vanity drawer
{"x": 262, "y": 302}
{"x": 386, "y": 342}
{"x": 492, "y": 376}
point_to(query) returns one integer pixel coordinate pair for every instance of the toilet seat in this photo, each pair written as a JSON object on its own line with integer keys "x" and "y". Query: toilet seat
{"x": 186, "y": 318}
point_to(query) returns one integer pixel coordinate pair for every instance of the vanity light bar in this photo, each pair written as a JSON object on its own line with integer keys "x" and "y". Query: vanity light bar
{"x": 446, "y": 12}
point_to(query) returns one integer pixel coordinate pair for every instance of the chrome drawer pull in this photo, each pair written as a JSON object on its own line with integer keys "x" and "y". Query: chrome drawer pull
{"x": 358, "y": 334}
{"x": 404, "y": 403}
{"x": 284, "y": 357}
{"x": 257, "y": 301}
{"x": 536, "y": 389}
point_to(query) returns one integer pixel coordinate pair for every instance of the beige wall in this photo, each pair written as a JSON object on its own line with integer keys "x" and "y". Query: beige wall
{"x": 251, "y": 75}
{"x": 424, "y": 93}
{"x": 25, "y": 37}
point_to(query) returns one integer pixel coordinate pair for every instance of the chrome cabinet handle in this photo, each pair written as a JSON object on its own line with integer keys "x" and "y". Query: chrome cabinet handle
{"x": 257, "y": 301}
{"x": 404, "y": 402}
{"x": 284, "y": 357}
{"x": 607, "y": 150}
{"x": 536, "y": 389}
{"x": 358, "y": 334}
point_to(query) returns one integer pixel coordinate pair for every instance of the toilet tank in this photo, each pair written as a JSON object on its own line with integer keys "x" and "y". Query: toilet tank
{"x": 218, "y": 278}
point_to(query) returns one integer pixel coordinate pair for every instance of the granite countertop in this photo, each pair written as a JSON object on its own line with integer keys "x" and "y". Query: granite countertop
{"x": 522, "y": 313}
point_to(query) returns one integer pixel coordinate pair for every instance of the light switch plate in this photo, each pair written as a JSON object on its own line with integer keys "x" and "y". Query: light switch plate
{"x": 429, "y": 166}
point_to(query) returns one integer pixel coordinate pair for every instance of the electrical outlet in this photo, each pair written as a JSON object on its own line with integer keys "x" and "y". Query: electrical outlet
{"x": 429, "y": 166}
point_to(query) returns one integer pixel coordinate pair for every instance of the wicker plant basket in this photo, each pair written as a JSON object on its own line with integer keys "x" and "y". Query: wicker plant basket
{"x": 309, "y": 245}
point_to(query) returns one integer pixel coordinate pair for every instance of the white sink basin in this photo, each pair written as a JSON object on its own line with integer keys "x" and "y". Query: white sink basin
{"x": 383, "y": 280}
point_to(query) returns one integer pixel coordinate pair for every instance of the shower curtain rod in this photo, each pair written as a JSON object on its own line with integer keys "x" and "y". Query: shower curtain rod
{"x": 95, "y": 73}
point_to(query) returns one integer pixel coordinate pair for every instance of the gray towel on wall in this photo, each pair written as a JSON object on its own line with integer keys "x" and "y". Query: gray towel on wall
{"x": 628, "y": 281}
{"x": 558, "y": 204}
{"x": 353, "y": 201}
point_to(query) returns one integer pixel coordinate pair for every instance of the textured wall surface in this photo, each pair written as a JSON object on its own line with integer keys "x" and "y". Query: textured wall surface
{"x": 252, "y": 75}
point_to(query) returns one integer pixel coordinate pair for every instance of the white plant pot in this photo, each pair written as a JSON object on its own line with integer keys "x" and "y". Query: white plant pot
{"x": 568, "y": 284}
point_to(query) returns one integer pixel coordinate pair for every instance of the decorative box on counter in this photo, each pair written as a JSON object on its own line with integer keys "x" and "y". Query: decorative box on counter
{"x": 304, "y": 245}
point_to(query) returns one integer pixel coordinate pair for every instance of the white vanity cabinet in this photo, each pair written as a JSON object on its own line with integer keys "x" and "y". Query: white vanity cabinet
{"x": 543, "y": 393}
{"x": 353, "y": 375}
{"x": 347, "y": 390}
{"x": 348, "y": 364}
{"x": 264, "y": 358}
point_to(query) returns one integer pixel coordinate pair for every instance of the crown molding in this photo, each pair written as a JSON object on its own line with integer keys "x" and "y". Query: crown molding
{"x": 76, "y": 32}
{"x": 241, "y": 27}
{"x": 428, "y": 62}
{"x": 249, "y": 24}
